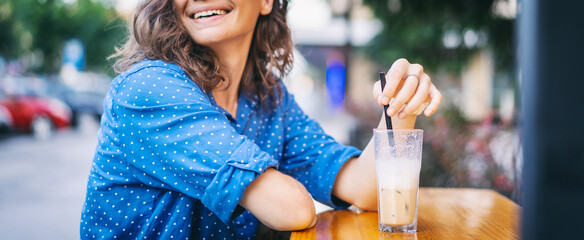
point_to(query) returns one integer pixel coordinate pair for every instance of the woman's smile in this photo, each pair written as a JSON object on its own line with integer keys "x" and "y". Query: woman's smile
{"x": 209, "y": 14}
{"x": 214, "y": 23}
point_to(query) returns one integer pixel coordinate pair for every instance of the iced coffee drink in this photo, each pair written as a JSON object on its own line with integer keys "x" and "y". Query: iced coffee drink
{"x": 398, "y": 163}
{"x": 398, "y": 192}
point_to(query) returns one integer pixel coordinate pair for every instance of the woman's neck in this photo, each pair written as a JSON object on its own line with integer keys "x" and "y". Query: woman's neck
{"x": 232, "y": 59}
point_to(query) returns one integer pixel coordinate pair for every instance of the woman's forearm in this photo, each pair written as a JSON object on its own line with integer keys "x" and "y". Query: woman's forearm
{"x": 279, "y": 202}
{"x": 356, "y": 182}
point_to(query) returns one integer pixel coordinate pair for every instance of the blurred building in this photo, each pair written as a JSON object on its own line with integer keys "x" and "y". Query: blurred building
{"x": 326, "y": 33}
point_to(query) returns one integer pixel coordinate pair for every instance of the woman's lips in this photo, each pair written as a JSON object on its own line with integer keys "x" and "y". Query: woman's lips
{"x": 208, "y": 19}
{"x": 209, "y": 13}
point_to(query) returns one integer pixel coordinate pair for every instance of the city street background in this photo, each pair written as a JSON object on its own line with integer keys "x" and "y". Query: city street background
{"x": 43, "y": 183}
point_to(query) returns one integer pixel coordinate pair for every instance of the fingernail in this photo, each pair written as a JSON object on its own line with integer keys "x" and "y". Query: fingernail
{"x": 402, "y": 115}
{"x": 385, "y": 100}
{"x": 391, "y": 112}
{"x": 379, "y": 99}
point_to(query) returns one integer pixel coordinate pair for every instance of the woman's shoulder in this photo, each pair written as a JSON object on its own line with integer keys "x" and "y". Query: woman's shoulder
{"x": 285, "y": 95}
{"x": 155, "y": 79}
{"x": 156, "y": 67}
{"x": 154, "y": 72}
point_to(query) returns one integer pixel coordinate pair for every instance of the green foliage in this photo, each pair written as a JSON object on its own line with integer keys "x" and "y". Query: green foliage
{"x": 8, "y": 31}
{"x": 43, "y": 26}
{"x": 414, "y": 29}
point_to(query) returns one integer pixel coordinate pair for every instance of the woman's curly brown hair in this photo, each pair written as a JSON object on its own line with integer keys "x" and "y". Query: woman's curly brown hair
{"x": 157, "y": 33}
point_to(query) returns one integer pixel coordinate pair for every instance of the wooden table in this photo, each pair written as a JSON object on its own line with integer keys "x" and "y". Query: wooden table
{"x": 443, "y": 213}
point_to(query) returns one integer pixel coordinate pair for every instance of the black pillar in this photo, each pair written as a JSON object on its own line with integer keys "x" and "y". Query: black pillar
{"x": 551, "y": 60}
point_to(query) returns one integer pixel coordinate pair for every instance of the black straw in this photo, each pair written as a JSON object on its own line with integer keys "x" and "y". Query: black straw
{"x": 387, "y": 118}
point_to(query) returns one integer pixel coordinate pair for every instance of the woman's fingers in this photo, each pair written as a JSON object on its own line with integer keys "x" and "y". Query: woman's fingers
{"x": 377, "y": 92}
{"x": 415, "y": 70}
{"x": 409, "y": 87}
{"x": 420, "y": 96}
{"x": 403, "y": 96}
{"x": 393, "y": 79}
{"x": 436, "y": 99}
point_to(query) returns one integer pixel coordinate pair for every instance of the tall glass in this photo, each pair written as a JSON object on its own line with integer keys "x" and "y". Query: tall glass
{"x": 398, "y": 159}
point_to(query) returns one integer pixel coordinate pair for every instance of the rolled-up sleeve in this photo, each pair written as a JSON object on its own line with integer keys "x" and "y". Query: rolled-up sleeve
{"x": 311, "y": 156}
{"x": 178, "y": 140}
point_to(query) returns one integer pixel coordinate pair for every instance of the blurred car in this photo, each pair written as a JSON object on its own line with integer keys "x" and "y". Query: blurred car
{"x": 35, "y": 114}
{"x": 83, "y": 92}
{"x": 5, "y": 120}
{"x": 87, "y": 102}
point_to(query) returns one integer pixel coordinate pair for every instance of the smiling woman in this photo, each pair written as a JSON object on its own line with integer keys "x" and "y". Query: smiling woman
{"x": 201, "y": 140}
{"x": 167, "y": 30}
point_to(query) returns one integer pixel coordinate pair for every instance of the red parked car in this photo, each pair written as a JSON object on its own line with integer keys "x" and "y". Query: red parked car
{"x": 35, "y": 114}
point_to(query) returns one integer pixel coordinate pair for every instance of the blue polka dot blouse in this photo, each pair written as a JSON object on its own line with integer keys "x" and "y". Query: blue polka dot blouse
{"x": 172, "y": 164}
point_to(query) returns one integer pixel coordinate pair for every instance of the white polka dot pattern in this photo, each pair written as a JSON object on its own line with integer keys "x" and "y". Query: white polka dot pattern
{"x": 172, "y": 164}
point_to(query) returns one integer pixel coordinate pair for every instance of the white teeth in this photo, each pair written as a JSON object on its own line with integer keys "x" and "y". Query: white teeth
{"x": 209, "y": 13}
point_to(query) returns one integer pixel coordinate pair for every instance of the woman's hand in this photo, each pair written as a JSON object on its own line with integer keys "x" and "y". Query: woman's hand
{"x": 410, "y": 89}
